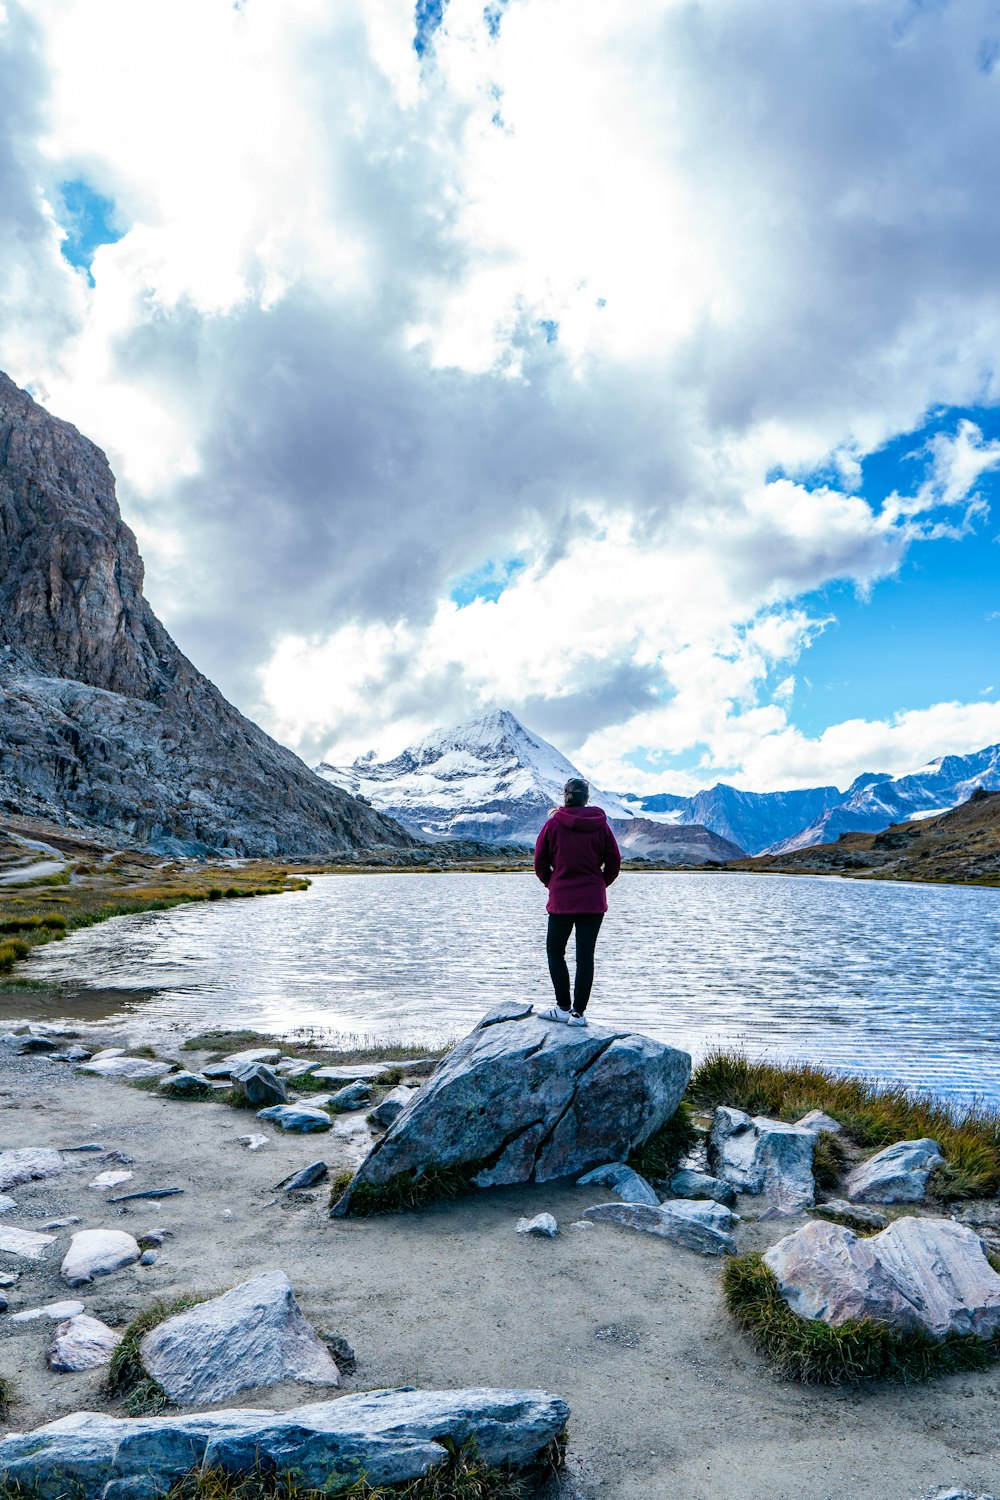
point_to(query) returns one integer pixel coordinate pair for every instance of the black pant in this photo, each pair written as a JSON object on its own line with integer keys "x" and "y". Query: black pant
{"x": 587, "y": 928}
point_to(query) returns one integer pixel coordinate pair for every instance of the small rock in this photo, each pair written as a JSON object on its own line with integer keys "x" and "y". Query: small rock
{"x": 854, "y": 1215}
{"x": 259, "y": 1085}
{"x": 896, "y": 1175}
{"x": 8, "y": 1278}
{"x": 581, "y": 1224}
{"x": 353, "y": 1096}
{"x": 28, "y": 1164}
{"x": 252, "y": 1336}
{"x": 696, "y": 1225}
{"x": 56, "y": 1311}
{"x": 392, "y": 1105}
{"x": 298, "y": 1117}
{"x": 688, "y": 1184}
{"x": 110, "y": 1179}
{"x": 61, "y": 1223}
{"x": 106, "y": 1052}
{"x": 81, "y": 1343}
{"x": 542, "y": 1224}
{"x": 152, "y": 1239}
{"x": 621, "y": 1179}
{"x": 818, "y": 1121}
{"x": 148, "y": 1258}
{"x": 77, "y": 1054}
{"x": 97, "y": 1252}
{"x": 118, "y": 1159}
{"x": 4, "y": 1304}
{"x": 185, "y": 1086}
{"x": 87, "y": 1146}
{"x": 25, "y": 1242}
{"x": 6, "y": 1204}
{"x": 253, "y": 1142}
{"x": 310, "y": 1175}
{"x": 343, "y": 1352}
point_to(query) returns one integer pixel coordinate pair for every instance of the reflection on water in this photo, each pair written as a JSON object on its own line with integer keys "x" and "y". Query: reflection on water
{"x": 893, "y": 980}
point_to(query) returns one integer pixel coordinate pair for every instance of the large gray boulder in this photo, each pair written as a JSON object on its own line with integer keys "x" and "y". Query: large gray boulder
{"x": 758, "y": 1155}
{"x": 697, "y": 1226}
{"x": 943, "y": 1269}
{"x": 251, "y": 1337}
{"x": 824, "y": 1271}
{"x": 896, "y": 1175}
{"x": 523, "y": 1100}
{"x": 389, "y": 1437}
{"x": 81, "y": 1343}
{"x": 931, "y": 1274}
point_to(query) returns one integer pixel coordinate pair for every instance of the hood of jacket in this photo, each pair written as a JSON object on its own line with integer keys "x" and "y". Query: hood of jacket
{"x": 580, "y": 817}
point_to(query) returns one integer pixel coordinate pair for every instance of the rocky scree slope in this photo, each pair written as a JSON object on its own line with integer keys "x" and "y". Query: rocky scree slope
{"x": 103, "y": 722}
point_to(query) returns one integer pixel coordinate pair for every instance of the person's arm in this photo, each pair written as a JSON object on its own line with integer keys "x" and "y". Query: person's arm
{"x": 543, "y": 856}
{"x": 612, "y": 859}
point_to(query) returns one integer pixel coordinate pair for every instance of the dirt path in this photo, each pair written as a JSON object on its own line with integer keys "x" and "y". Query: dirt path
{"x": 668, "y": 1402}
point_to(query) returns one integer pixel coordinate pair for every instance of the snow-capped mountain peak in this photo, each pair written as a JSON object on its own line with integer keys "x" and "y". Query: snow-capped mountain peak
{"x": 488, "y": 777}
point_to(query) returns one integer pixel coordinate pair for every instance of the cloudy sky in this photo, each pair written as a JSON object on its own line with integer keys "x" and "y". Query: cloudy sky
{"x": 633, "y": 367}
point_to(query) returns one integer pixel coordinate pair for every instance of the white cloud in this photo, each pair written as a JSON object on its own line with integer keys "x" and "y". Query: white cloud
{"x": 320, "y": 355}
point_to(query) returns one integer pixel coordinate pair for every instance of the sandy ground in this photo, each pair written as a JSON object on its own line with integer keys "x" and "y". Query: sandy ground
{"x": 668, "y": 1401}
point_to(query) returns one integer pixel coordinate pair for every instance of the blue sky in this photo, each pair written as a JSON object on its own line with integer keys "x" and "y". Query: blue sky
{"x": 592, "y": 362}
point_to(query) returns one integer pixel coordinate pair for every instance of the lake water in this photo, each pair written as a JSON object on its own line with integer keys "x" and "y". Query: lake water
{"x": 892, "y": 980}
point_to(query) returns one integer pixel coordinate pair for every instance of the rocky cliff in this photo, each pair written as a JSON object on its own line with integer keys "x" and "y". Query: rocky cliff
{"x": 104, "y": 723}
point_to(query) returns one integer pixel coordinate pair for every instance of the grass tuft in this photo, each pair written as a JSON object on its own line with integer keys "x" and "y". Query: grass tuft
{"x": 863, "y": 1349}
{"x": 407, "y": 1190}
{"x": 128, "y": 1380}
{"x": 12, "y": 952}
{"x": 829, "y": 1160}
{"x": 7, "y": 1395}
{"x": 658, "y": 1157}
{"x": 873, "y": 1113}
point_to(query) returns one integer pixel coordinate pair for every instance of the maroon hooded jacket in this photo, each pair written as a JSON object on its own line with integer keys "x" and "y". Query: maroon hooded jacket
{"x": 577, "y": 857}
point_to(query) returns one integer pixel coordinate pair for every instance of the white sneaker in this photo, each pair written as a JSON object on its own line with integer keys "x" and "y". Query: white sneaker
{"x": 576, "y": 1019}
{"x": 555, "y": 1014}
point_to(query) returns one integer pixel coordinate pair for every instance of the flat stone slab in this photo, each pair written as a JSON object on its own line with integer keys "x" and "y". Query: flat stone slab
{"x": 24, "y": 1242}
{"x": 918, "y": 1273}
{"x": 896, "y": 1175}
{"x": 759, "y": 1155}
{"x": 55, "y": 1311}
{"x": 110, "y": 1179}
{"x": 251, "y": 1337}
{"x": 81, "y": 1343}
{"x": 98, "y": 1252}
{"x": 28, "y": 1164}
{"x": 390, "y": 1436}
{"x": 126, "y": 1067}
{"x": 626, "y": 1184}
{"x": 352, "y": 1072}
{"x": 521, "y": 1100}
{"x": 700, "y": 1226}
{"x": 298, "y": 1117}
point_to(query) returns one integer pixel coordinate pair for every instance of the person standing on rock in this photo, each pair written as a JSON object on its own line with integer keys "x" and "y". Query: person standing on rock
{"x": 576, "y": 858}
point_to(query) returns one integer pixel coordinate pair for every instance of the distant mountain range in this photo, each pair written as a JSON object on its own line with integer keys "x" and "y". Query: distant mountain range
{"x": 491, "y": 778}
